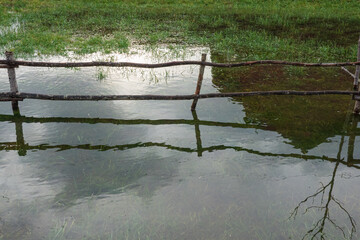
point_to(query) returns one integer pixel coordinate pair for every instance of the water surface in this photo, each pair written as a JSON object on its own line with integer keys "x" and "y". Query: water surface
{"x": 242, "y": 168}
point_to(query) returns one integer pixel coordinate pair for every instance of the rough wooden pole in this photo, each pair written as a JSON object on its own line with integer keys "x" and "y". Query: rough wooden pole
{"x": 199, "y": 82}
{"x": 8, "y": 96}
{"x": 356, "y": 81}
{"x": 351, "y": 74}
{"x": 175, "y": 63}
{"x": 13, "y": 83}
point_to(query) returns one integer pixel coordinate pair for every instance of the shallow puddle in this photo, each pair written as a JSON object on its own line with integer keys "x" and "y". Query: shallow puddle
{"x": 250, "y": 168}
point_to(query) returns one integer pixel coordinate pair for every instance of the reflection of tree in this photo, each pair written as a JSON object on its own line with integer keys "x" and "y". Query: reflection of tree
{"x": 318, "y": 228}
{"x": 305, "y": 121}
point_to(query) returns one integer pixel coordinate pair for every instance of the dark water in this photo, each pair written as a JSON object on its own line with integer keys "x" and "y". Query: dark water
{"x": 249, "y": 168}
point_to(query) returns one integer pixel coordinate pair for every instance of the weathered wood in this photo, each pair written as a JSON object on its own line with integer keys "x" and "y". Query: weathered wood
{"x": 168, "y": 97}
{"x": 5, "y": 66}
{"x": 174, "y": 63}
{"x": 347, "y": 71}
{"x": 11, "y": 73}
{"x": 199, "y": 82}
{"x": 10, "y": 99}
{"x": 356, "y": 81}
{"x": 12, "y": 81}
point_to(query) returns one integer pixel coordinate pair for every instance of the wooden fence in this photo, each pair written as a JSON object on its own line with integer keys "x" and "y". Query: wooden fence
{"x": 15, "y": 95}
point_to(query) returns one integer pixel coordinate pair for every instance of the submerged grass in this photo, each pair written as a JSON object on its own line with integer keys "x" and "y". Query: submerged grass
{"x": 282, "y": 29}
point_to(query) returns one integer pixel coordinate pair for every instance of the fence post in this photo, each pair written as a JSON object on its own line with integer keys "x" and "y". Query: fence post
{"x": 199, "y": 82}
{"x": 356, "y": 81}
{"x": 12, "y": 81}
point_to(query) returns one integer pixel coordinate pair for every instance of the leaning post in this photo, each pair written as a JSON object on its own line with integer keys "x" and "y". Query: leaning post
{"x": 199, "y": 82}
{"x": 12, "y": 80}
{"x": 356, "y": 82}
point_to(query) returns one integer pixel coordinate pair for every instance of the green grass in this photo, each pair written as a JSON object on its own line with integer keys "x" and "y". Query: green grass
{"x": 276, "y": 29}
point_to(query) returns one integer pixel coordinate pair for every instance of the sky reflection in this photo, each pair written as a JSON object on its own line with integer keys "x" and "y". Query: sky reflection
{"x": 130, "y": 170}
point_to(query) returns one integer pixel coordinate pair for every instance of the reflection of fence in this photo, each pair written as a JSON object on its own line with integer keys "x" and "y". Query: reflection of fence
{"x": 352, "y": 131}
{"x": 14, "y": 95}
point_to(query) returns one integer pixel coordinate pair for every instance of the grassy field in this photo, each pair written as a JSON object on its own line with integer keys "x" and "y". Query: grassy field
{"x": 325, "y": 30}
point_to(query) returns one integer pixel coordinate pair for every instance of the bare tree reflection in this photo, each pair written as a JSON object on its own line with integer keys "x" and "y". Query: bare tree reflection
{"x": 325, "y": 200}
{"x": 325, "y": 196}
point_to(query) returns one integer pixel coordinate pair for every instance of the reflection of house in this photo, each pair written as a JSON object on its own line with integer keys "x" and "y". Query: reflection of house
{"x": 306, "y": 121}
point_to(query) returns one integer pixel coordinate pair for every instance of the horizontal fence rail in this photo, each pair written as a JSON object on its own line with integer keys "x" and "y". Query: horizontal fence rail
{"x": 20, "y": 95}
{"x": 8, "y": 64}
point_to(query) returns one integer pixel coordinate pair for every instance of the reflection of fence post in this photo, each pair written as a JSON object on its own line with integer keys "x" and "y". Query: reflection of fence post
{"x": 12, "y": 80}
{"x": 197, "y": 134}
{"x": 20, "y": 142}
{"x": 356, "y": 81}
{"x": 351, "y": 144}
{"x": 199, "y": 82}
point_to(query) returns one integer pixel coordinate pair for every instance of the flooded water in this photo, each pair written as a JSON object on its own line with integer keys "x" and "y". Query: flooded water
{"x": 244, "y": 168}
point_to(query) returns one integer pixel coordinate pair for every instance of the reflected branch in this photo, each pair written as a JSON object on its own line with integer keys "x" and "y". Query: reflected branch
{"x": 352, "y": 220}
{"x": 319, "y": 226}
{"x": 321, "y": 190}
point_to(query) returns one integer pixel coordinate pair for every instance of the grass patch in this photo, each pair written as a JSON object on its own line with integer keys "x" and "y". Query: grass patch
{"x": 283, "y": 29}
